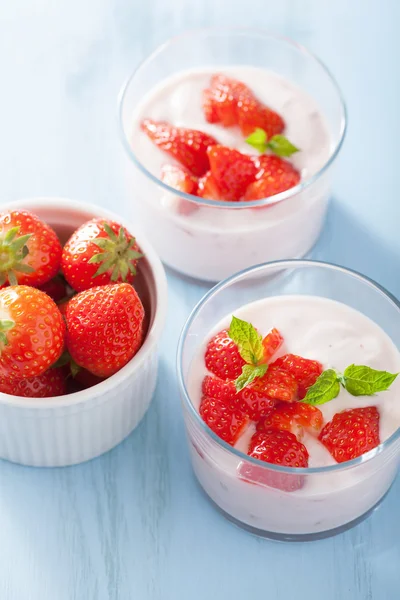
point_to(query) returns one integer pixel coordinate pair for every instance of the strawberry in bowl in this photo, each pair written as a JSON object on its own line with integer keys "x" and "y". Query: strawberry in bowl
{"x": 226, "y": 159}
{"x": 291, "y": 400}
{"x": 81, "y": 347}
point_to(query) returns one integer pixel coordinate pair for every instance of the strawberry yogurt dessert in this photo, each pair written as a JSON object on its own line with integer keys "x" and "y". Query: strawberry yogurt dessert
{"x": 232, "y": 135}
{"x": 291, "y": 399}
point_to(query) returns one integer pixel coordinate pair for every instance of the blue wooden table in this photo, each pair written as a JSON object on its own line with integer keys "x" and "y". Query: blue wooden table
{"x": 133, "y": 524}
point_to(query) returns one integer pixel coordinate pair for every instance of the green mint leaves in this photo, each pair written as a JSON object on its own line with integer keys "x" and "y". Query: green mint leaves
{"x": 325, "y": 389}
{"x": 251, "y": 349}
{"x": 249, "y": 373}
{"x": 247, "y": 339}
{"x": 358, "y": 380}
{"x": 278, "y": 144}
{"x": 364, "y": 381}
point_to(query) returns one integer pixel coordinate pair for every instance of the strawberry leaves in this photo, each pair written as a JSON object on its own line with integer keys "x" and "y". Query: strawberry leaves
{"x": 278, "y": 144}
{"x": 358, "y": 380}
{"x": 13, "y": 250}
{"x": 117, "y": 254}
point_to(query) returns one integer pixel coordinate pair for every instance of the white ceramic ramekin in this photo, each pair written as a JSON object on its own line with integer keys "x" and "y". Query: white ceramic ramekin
{"x": 71, "y": 429}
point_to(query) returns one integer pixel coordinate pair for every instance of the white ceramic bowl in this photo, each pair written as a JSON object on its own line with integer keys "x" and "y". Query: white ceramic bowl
{"x": 74, "y": 428}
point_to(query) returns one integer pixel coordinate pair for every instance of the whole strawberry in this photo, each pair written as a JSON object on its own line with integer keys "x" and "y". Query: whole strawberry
{"x": 30, "y": 252}
{"x": 49, "y": 384}
{"x": 98, "y": 253}
{"x": 104, "y": 328}
{"x": 187, "y": 146}
{"x": 32, "y": 332}
{"x": 351, "y": 433}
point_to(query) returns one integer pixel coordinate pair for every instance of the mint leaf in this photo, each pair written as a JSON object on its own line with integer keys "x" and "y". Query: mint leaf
{"x": 281, "y": 146}
{"x": 247, "y": 339}
{"x": 258, "y": 140}
{"x": 325, "y": 389}
{"x": 249, "y": 373}
{"x": 364, "y": 381}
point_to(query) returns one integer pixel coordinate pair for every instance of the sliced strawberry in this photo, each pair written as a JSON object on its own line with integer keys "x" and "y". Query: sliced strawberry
{"x": 232, "y": 170}
{"x": 180, "y": 179}
{"x": 252, "y": 114}
{"x": 262, "y": 395}
{"x": 272, "y": 342}
{"x": 221, "y": 99}
{"x": 304, "y": 370}
{"x": 217, "y": 388}
{"x": 351, "y": 433}
{"x": 224, "y": 418}
{"x": 187, "y": 146}
{"x": 222, "y": 357}
{"x": 274, "y": 175}
{"x": 293, "y": 417}
{"x": 279, "y": 448}
{"x": 208, "y": 187}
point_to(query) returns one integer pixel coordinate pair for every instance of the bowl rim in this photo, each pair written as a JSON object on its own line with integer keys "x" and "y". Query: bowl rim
{"x": 238, "y": 31}
{"x": 99, "y": 390}
{"x": 289, "y": 263}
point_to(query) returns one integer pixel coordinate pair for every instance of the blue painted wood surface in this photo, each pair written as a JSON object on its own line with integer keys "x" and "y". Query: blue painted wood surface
{"x": 133, "y": 524}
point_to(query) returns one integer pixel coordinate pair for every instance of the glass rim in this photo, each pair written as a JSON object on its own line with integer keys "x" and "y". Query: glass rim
{"x": 225, "y": 204}
{"x": 290, "y": 263}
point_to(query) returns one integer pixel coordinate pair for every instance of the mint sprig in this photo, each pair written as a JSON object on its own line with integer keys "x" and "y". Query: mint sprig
{"x": 251, "y": 349}
{"x": 278, "y": 144}
{"x": 358, "y": 380}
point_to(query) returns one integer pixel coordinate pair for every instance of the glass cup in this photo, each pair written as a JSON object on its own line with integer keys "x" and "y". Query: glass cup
{"x": 207, "y": 239}
{"x": 331, "y": 499}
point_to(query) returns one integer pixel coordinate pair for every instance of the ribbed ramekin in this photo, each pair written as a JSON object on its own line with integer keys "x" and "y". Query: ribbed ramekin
{"x": 77, "y": 427}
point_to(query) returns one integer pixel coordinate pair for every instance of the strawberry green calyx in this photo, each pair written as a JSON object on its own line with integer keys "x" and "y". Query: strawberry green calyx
{"x": 358, "y": 380}
{"x": 117, "y": 254}
{"x": 13, "y": 250}
{"x": 5, "y": 325}
{"x": 251, "y": 349}
{"x": 277, "y": 144}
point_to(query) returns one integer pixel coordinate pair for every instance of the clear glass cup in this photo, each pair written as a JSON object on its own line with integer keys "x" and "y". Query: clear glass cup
{"x": 333, "y": 498}
{"x": 211, "y": 240}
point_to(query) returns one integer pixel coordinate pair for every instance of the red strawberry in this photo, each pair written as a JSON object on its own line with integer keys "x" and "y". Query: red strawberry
{"x": 32, "y": 332}
{"x": 351, "y": 433}
{"x": 304, "y": 370}
{"x": 293, "y": 417}
{"x": 181, "y": 180}
{"x": 279, "y": 448}
{"x": 222, "y": 357}
{"x": 30, "y": 251}
{"x": 275, "y": 385}
{"x": 221, "y": 99}
{"x": 272, "y": 342}
{"x": 262, "y": 395}
{"x": 208, "y": 187}
{"x": 274, "y": 176}
{"x": 232, "y": 170}
{"x": 252, "y": 114}
{"x": 98, "y": 253}
{"x": 216, "y": 388}
{"x": 49, "y": 384}
{"x": 224, "y": 418}
{"x": 56, "y": 288}
{"x": 104, "y": 328}
{"x": 187, "y": 146}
